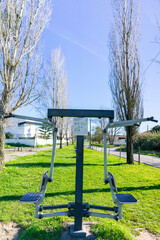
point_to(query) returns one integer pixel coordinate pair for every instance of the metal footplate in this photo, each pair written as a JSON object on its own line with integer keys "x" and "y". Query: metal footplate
{"x": 31, "y": 197}
{"x": 125, "y": 198}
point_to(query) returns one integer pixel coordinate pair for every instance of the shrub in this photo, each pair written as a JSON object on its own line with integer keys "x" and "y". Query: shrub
{"x": 147, "y": 141}
{"x": 16, "y": 145}
{"x": 156, "y": 129}
{"x": 9, "y": 135}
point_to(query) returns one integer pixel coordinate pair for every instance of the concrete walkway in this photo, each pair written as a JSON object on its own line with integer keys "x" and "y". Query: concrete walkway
{"x": 11, "y": 154}
{"x": 149, "y": 160}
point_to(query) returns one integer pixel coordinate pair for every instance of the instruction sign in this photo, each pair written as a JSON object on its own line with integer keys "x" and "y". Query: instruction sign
{"x": 80, "y": 126}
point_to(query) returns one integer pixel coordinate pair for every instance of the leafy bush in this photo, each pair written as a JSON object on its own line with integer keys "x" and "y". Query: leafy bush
{"x": 147, "y": 141}
{"x": 96, "y": 144}
{"x": 9, "y": 135}
{"x": 98, "y": 135}
{"x": 10, "y": 145}
{"x": 156, "y": 129}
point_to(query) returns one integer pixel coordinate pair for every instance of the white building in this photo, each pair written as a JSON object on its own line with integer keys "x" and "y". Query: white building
{"x": 120, "y": 140}
{"x": 22, "y": 130}
{"x": 25, "y": 133}
{"x": 28, "y": 134}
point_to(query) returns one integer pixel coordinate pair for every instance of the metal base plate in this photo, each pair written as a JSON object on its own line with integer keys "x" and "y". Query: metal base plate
{"x": 78, "y": 234}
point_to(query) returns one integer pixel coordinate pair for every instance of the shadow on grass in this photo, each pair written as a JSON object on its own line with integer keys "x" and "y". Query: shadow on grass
{"x": 116, "y": 164}
{"x": 44, "y": 155}
{"x": 125, "y": 189}
{"x": 17, "y": 197}
{"x": 47, "y": 165}
{"x": 39, "y": 164}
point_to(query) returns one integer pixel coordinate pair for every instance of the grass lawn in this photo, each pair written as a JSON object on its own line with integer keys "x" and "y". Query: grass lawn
{"x": 24, "y": 175}
{"x": 101, "y": 145}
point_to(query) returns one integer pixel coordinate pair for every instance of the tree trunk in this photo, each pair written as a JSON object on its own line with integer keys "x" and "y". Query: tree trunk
{"x": 129, "y": 131}
{"x": 61, "y": 137}
{"x": 2, "y": 141}
{"x": 60, "y": 143}
{"x": 2, "y": 137}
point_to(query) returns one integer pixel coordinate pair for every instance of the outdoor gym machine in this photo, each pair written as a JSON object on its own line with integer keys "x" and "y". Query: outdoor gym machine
{"x": 78, "y": 209}
{"x": 38, "y": 197}
{"x": 133, "y": 122}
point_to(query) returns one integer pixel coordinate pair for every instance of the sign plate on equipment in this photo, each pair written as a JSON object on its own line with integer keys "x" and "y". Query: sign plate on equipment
{"x": 80, "y": 126}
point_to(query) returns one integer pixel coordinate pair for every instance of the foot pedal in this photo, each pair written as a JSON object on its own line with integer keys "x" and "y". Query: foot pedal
{"x": 126, "y": 198}
{"x": 31, "y": 197}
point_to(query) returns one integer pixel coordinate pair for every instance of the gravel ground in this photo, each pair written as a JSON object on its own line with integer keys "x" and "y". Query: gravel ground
{"x": 10, "y": 154}
{"x": 12, "y": 231}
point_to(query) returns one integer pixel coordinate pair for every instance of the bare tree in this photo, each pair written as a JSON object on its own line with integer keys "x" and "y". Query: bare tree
{"x": 124, "y": 79}
{"x": 103, "y": 123}
{"x": 21, "y": 25}
{"x": 56, "y": 88}
{"x": 71, "y": 131}
{"x": 111, "y": 134}
{"x": 67, "y": 129}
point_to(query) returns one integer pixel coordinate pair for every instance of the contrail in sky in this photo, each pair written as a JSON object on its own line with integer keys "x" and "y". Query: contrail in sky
{"x": 79, "y": 45}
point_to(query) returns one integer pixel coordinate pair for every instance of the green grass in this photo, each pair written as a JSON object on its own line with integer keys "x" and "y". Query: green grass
{"x": 96, "y": 144}
{"x": 24, "y": 175}
{"x": 41, "y": 146}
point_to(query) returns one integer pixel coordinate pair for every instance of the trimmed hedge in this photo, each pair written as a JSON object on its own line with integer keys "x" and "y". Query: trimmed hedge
{"x": 147, "y": 141}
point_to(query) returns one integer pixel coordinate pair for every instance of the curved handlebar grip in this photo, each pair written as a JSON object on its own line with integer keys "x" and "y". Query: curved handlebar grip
{"x": 152, "y": 119}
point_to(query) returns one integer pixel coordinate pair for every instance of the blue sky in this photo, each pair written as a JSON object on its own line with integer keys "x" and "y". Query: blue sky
{"x": 81, "y": 29}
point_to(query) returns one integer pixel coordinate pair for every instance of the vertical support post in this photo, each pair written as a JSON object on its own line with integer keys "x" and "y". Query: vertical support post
{"x": 120, "y": 153}
{"x": 139, "y": 154}
{"x": 90, "y": 137}
{"x": 53, "y": 152}
{"x": 79, "y": 184}
{"x": 105, "y": 155}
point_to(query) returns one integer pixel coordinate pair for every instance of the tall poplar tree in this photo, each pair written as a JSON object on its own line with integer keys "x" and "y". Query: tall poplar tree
{"x": 124, "y": 77}
{"x": 56, "y": 88}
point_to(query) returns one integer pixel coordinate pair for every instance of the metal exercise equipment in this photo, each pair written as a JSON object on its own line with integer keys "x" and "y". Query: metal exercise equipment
{"x": 38, "y": 197}
{"x": 78, "y": 209}
{"x": 133, "y": 122}
{"x": 119, "y": 199}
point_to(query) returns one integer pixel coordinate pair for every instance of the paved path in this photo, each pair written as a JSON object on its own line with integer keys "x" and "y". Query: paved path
{"x": 9, "y": 156}
{"x": 149, "y": 160}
